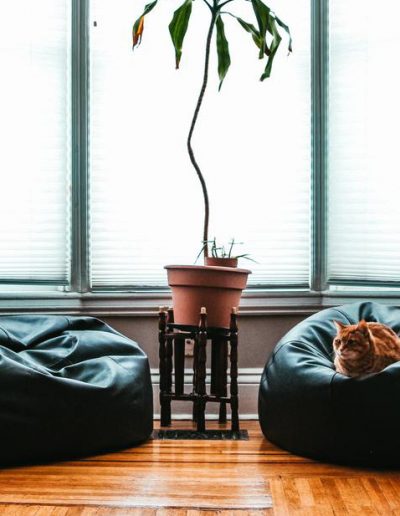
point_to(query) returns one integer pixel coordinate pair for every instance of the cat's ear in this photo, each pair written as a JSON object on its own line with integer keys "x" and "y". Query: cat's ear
{"x": 363, "y": 327}
{"x": 339, "y": 325}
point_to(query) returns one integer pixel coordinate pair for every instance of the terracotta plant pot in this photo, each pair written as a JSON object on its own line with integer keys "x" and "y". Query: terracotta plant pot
{"x": 218, "y": 289}
{"x": 221, "y": 262}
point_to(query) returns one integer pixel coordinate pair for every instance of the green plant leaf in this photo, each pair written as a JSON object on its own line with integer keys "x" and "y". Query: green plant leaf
{"x": 178, "y": 27}
{"x": 286, "y": 28}
{"x": 276, "y": 41}
{"x": 246, "y": 257}
{"x": 263, "y": 13}
{"x": 137, "y": 29}
{"x": 266, "y": 21}
{"x": 224, "y": 59}
{"x": 248, "y": 27}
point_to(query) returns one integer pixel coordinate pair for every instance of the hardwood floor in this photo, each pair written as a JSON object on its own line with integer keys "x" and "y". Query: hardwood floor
{"x": 198, "y": 478}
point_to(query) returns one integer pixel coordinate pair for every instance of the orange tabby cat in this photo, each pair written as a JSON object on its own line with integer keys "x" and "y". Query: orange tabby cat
{"x": 366, "y": 347}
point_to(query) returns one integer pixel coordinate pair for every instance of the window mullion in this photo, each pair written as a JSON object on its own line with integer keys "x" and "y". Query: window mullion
{"x": 79, "y": 91}
{"x": 319, "y": 92}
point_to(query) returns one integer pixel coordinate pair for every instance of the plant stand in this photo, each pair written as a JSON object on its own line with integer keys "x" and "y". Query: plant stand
{"x": 172, "y": 359}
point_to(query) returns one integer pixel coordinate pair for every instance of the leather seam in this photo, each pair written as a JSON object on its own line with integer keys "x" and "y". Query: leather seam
{"x": 296, "y": 341}
{"x": 118, "y": 364}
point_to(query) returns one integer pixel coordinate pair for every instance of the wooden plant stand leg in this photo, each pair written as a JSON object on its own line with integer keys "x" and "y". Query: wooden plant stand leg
{"x": 194, "y": 393}
{"x": 223, "y": 391}
{"x": 168, "y": 367}
{"x": 218, "y": 373}
{"x": 214, "y": 367}
{"x": 179, "y": 364}
{"x": 201, "y": 374}
{"x": 222, "y": 412}
{"x": 234, "y": 371}
{"x": 165, "y": 403}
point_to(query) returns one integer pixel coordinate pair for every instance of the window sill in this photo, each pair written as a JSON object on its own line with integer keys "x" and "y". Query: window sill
{"x": 146, "y": 304}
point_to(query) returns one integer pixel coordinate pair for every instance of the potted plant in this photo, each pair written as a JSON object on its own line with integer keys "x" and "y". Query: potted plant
{"x": 216, "y": 287}
{"x": 222, "y": 256}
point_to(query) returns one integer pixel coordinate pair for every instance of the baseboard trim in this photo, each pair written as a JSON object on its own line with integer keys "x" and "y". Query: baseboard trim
{"x": 209, "y": 417}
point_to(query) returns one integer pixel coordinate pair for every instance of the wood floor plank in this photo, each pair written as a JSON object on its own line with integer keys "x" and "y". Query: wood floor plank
{"x": 354, "y": 502}
{"x": 305, "y": 493}
{"x": 375, "y": 493}
{"x": 395, "y": 481}
{"x": 76, "y": 510}
{"x": 279, "y": 498}
{"x": 291, "y": 494}
{"x": 389, "y": 492}
{"x": 320, "y": 497}
{"x": 333, "y": 495}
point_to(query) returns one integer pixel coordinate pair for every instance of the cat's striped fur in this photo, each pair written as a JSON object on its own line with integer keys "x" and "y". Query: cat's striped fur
{"x": 363, "y": 348}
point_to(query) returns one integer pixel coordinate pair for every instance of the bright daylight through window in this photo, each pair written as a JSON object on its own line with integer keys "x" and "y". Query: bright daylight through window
{"x": 146, "y": 201}
{"x": 35, "y": 133}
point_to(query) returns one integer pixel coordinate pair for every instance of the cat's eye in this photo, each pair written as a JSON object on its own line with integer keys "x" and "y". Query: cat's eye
{"x": 350, "y": 342}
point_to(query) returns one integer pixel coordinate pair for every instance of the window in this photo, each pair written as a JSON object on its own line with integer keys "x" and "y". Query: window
{"x": 35, "y": 135}
{"x": 364, "y": 163}
{"x": 98, "y": 190}
{"x": 146, "y": 200}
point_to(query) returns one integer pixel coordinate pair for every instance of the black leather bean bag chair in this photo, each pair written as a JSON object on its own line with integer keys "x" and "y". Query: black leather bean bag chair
{"x": 308, "y": 408}
{"x": 69, "y": 387}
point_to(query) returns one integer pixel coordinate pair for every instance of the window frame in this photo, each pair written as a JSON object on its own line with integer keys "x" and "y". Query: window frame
{"x": 80, "y": 154}
{"x": 319, "y": 124}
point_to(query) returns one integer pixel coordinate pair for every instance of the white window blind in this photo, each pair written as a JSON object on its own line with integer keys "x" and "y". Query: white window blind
{"x": 34, "y": 135}
{"x": 252, "y": 142}
{"x": 364, "y": 161}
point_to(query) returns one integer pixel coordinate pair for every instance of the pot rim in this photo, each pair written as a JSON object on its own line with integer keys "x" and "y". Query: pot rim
{"x": 208, "y": 267}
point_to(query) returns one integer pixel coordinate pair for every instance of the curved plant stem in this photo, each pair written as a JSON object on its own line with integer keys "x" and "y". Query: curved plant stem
{"x": 192, "y": 126}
